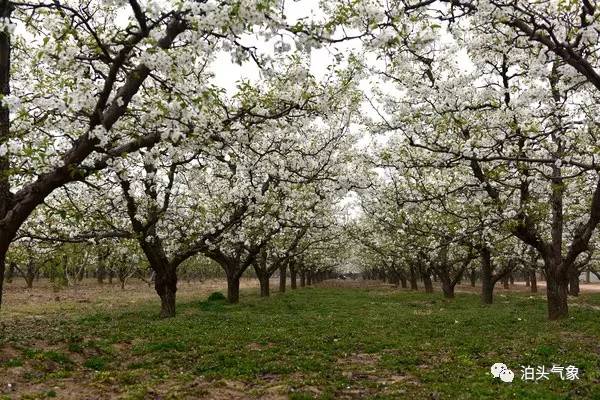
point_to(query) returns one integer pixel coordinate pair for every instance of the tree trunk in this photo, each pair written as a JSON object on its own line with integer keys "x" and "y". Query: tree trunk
{"x": 556, "y": 293}
{"x": 427, "y": 282}
{"x": 309, "y": 279}
{"x": 101, "y": 272}
{"x": 511, "y": 278}
{"x": 403, "y": 282}
{"x": 8, "y": 230}
{"x": 587, "y": 277}
{"x": 166, "y": 287}
{"x": 473, "y": 277}
{"x": 505, "y": 282}
{"x": 557, "y": 273}
{"x": 167, "y": 303}
{"x": 487, "y": 278}
{"x": 233, "y": 289}
{"x": 263, "y": 279}
{"x": 29, "y": 277}
{"x": 574, "y": 282}
{"x": 293, "y": 276}
{"x": 533, "y": 278}
{"x": 302, "y": 279}
{"x": 447, "y": 281}
{"x": 527, "y": 277}
{"x": 487, "y": 288}
{"x": 394, "y": 279}
{"x": 282, "y": 277}
{"x": 3, "y": 250}
{"x": 413, "y": 279}
{"x": 448, "y": 289}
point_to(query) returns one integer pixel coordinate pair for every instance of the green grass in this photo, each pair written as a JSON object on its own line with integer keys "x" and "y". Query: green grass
{"x": 324, "y": 343}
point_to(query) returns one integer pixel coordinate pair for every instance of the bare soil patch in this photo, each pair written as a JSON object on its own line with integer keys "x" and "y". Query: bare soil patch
{"x": 88, "y": 294}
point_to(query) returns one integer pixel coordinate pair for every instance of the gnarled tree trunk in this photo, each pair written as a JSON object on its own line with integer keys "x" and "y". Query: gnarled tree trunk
{"x": 403, "y": 282}
{"x": 574, "y": 282}
{"x": 489, "y": 279}
{"x": 233, "y": 288}
{"x": 3, "y": 250}
{"x": 413, "y": 279}
{"x": 447, "y": 288}
{"x": 557, "y": 273}
{"x": 263, "y": 280}
{"x": 556, "y": 293}
{"x": 449, "y": 278}
{"x": 166, "y": 288}
{"x": 7, "y": 232}
{"x": 487, "y": 284}
{"x": 29, "y": 276}
{"x": 426, "y": 277}
{"x": 264, "y": 286}
{"x": 533, "y": 279}
{"x": 101, "y": 270}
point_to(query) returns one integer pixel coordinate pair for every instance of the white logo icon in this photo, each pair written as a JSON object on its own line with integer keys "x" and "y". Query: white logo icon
{"x": 497, "y": 368}
{"x": 500, "y": 370}
{"x": 507, "y": 376}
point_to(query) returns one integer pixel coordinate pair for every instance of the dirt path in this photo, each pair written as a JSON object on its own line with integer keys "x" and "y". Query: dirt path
{"x": 44, "y": 297}
{"x": 583, "y": 287}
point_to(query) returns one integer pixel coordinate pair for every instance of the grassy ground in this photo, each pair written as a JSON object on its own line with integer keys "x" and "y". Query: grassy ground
{"x": 320, "y": 342}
